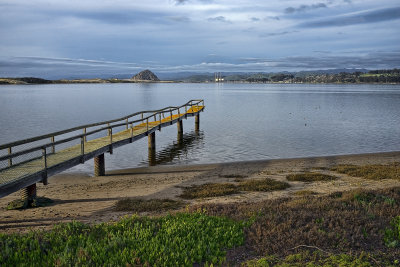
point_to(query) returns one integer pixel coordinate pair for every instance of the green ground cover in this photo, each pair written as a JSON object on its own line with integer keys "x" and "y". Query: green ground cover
{"x": 175, "y": 240}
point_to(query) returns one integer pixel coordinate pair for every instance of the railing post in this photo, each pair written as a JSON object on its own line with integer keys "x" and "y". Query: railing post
{"x": 10, "y": 159}
{"x": 84, "y": 132}
{"x": 170, "y": 111}
{"x": 108, "y": 125}
{"x": 44, "y": 154}
{"x": 53, "y": 147}
{"x": 147, "y": 124}
{"x": 82, "y": 149}
{"x": 159, "y": 123}
{"x": 127, "y": 124}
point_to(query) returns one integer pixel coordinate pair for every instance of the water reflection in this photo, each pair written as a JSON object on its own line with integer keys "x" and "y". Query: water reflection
{"x": 180, "y": 148}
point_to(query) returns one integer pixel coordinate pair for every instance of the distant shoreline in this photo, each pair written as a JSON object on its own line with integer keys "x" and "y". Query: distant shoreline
{"x": 32, "y": 80}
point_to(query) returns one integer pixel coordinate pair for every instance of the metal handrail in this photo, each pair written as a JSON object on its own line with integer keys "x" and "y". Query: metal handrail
{"x": 41, "y": 137}
{"x": 109, "y": 127}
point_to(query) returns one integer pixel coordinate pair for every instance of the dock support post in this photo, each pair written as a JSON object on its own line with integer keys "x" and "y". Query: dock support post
{"x": 28, "y": 195}
{"x": 180, "y": 132}
{"x": 152, "y": 148}
{"x": 197, "y": 123}
{"x": 180, "y": 127}
{"x": 99, "y": 165}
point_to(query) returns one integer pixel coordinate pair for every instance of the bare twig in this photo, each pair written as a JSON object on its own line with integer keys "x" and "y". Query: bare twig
{"x": 305, "y": 246}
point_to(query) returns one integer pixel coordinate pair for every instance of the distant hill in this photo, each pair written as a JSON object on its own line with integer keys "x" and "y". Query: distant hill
{"x": 145, "y": 75}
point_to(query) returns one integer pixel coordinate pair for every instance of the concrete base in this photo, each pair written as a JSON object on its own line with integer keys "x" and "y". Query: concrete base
{"x": 99, "y": 165}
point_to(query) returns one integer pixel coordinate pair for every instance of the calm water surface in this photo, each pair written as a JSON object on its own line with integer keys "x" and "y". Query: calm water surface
{"x": 241, "y": 121}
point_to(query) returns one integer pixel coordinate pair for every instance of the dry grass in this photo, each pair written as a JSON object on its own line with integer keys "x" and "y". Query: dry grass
{"x": 209, "y": 190}
{"x": 373, "y": 172}
{"x": 223, "y": 189}
{"x": 238, "y": 176}
{"x": 139, "y": 205}
{"x": 310, "y": 177}
{"x": 305, "y": 193}
{"x": 262, "y": 185}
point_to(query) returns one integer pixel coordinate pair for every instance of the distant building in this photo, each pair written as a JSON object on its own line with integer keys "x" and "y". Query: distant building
{"x": 218, "y": 77}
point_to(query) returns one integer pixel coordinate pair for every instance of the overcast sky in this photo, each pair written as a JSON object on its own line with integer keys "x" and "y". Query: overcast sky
{"x": 66, "y": 37}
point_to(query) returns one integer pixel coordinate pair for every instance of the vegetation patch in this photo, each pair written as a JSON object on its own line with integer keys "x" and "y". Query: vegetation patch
{"x": 392, "y": 233}
{"x": 310, "y": 177}
{"x": 237, "y": 176}
{"x": 20, "y": 204}
{"x": 139, "y": 205}
{"x": 373, "y": 172}
{"x": 262, "y": 185}
{"x": 351, "y": 223}
{"x": 305, "y": 193}
{"x": 179, "y": 240}
{"x": 209, "y": 190}
{"x": 223, "y": 189}
{"x": 318, "y": 259}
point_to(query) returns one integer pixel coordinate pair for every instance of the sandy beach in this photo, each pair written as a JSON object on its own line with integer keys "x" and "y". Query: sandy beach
{"x": 92, "y": 199}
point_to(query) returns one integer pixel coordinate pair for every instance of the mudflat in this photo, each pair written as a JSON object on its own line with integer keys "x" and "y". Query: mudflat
{"x": 92, "y": 199}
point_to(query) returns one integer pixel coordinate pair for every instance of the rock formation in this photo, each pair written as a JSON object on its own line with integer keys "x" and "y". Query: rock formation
{"x": 146, "y": 75}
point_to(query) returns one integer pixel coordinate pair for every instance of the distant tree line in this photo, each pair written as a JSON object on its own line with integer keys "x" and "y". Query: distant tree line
{"x": 373, "y": 76}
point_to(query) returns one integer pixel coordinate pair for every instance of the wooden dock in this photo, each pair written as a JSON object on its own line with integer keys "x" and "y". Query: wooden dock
{"x": 26, "y": 162}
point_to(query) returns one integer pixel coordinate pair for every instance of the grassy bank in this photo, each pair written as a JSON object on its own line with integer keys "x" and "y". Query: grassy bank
{"x": 178, "y": 240}
{"x": 355, "y": 228}
{"x": 349, "y": 228}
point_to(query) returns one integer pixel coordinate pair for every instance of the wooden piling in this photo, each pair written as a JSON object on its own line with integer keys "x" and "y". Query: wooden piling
{"x": 28, "y": 195}
{"x": 197, "y": 122}
{"x": 99, "y": 165}
{"x": 180, "y": 127}
{"x": 152, "y": 148}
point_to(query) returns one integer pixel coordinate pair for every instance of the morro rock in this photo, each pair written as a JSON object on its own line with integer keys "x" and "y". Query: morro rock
{"x": 145, "y": 75}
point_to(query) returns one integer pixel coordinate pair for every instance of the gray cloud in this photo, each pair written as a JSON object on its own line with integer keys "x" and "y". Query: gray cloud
{"x": 277, "y": 33}
{"x": 180, "y": 2}
{"x": 56, "y": 68}
{"x": 303, "y": 8}
{"x": 372, "y": 60}
{"x": 254, "y": 19}
{"x": 219, "y": 19}
{"x": 179, "y": 19}
{"x": 272, "y": 18}
{"x": 370, "y": 16}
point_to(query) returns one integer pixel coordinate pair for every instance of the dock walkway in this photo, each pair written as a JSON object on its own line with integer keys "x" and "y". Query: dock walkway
{"x": 26, "y": 162}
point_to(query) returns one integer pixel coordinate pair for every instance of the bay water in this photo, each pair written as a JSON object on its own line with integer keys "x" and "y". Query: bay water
{"x": 240, "y": 121}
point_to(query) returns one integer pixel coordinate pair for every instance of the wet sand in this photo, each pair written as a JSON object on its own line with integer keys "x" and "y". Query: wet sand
{"x": 92, "y": 199}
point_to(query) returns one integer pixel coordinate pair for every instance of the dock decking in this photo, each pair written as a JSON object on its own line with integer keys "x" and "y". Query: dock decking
{"x": 25, "y": 163}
